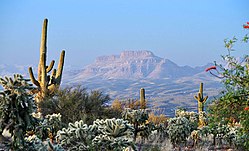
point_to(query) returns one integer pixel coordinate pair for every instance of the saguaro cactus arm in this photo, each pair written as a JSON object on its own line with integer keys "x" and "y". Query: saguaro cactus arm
{"x": 32, "y": 77}
{"x": 50, "y": 67}
{"x": 60, "y": 68}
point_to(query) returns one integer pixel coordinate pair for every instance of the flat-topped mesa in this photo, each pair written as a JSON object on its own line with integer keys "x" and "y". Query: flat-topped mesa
{"x": 125, "y": 55}
{"x": 106, "y": 58}
{"x": 136, "y": 54}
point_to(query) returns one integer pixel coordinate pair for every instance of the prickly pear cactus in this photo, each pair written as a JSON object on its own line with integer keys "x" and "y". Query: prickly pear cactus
{"x": 16, "y": 108}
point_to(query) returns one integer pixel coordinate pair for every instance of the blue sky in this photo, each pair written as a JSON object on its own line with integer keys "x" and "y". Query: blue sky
{"x": 189, "y": 32}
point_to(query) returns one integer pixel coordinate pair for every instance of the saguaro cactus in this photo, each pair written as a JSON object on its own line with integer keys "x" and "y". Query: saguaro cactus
{"x": 201, "y": 101}
{"x": 142, "y": 98}
{"x": 46, "y": 84}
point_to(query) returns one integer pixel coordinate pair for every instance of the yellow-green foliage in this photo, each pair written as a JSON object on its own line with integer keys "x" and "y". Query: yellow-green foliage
{"x": 157, "y": 119}
{"x": 117, "y": 105}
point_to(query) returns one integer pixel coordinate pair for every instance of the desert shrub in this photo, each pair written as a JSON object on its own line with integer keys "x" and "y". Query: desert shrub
{"x": 230, "y": 107}
{"x": 76, "y": 103}
{"x": 132, "y": 104}
{"x": 160, "y": 123}
{"x": 117, "y": 105}
{"x": 157, "y": 119}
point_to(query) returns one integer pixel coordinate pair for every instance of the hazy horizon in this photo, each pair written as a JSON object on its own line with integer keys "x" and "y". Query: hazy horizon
{"x": 186, "y": 32}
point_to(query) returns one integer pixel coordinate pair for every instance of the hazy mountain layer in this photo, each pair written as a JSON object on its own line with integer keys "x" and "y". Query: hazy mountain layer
{"x": 167, "y": 85}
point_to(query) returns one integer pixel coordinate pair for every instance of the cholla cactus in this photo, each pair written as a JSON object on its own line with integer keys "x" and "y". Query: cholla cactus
{"x": 34, "y": 143}
{"x": 178, "y": 130}
{"x": 16, "y": 107}
{"x": 113, "y": 134}
{"x": 76, "y": 137}
{"x": 191, "y": 116}
{"x": 53, "y": 124}
{"x": 108, "y": 134}
{"x": 138, "y": 119}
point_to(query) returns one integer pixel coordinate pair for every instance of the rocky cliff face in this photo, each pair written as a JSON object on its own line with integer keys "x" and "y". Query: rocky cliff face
{"x": 135, "y": 65}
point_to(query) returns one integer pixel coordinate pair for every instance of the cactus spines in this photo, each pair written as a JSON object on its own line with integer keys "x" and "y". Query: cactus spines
{"x": 142, "y": 98}
{"x": 201, "y": 101}
{"x": 46, "y": 84}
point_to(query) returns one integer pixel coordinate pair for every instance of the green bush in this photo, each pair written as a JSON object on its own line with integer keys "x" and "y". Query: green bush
{"x": 232, "y": 105}
{"x": 76, "y": 103}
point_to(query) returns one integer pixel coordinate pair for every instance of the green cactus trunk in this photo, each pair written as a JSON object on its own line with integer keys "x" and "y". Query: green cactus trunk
{"x": 46, "y": 84}
{"x": 201, "y": 101}
{"x": 142, "y": 99}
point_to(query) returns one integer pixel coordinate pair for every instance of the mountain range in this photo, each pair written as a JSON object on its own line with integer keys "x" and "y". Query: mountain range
{"x": 167, "y": 85}
{"x": 136, "y": 65}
